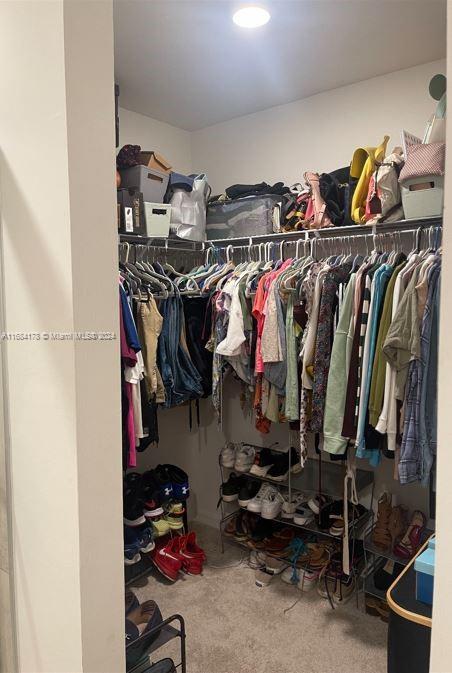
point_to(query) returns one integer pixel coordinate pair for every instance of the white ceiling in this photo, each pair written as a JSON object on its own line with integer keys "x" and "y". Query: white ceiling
{"x": 185, "y": 62}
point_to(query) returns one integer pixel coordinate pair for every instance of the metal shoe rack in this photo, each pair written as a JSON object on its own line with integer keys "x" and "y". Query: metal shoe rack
{"x": 139, "y": 651}
{"x": 376, "y": 558}
{"x": 317, "y": 477}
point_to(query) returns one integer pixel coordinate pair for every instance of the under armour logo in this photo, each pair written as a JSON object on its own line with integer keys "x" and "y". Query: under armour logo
{"x": 184, "y": 490}
{"x": 167, "y": 491}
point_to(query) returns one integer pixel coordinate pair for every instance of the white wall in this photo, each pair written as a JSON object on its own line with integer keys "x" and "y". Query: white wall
{"x": 60, "y": 274}
{"x": 173, "y": 143}
{"x": 318, "y": 133}
{"x": 441, "y": 652}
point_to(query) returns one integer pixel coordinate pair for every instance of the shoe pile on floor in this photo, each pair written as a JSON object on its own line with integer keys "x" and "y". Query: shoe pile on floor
{"x": 141, "y": 631}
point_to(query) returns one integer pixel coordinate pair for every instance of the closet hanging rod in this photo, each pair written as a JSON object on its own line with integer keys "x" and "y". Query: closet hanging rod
{"x": 181, "y": 245}
{"x": 354, "y": 230}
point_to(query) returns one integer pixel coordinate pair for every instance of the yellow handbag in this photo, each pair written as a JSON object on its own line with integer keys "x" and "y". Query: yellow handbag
{"x": 361, "y": 169}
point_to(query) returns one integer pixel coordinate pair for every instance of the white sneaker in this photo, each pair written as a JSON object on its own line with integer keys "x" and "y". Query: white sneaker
{"x": 289, "y": 506}
{"x": 227, "y": 455}
{"x": 257, "y": 559}
{"x": 244, "y": 458}
{"x": 255, "y": 504}
{"x": 271, "y": 504}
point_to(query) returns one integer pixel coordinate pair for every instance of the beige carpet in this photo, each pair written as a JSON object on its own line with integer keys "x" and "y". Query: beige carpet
{"x": 235, "y": 627}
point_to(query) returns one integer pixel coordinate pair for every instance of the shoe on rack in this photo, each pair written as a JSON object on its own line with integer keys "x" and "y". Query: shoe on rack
{"x": 397, "y": 524}
{"x": 248, "y": 490}
{"x": 272, "y": 502}
{"x": 151, "y": 498}
{"x": 132, "y": 500}
{"x": 290, "y": 506}
{"x": 303, "y": 515}
{"x": 337, "y": 527}
{"x": 160, "y": 526}
{"x": 264, "y": 460}
{"x": 412, "y": 540}
{"x": 164, "y": 484}
{"x": 145, "y": 538}
{"x": 316, "y": 503}
{"x": 274, "y": 566}
{"x": 131, "y": 553}
{"x": 280, "y": 468}
{"x": 174, "y": 515}
{"x": 229, "y": 490}
{"x": 166, "y": 561}
{"x": 244, "y": 458}
{"x": 180, "y": 489}
{"x": 381, "y": 535}
{"x": 295, "y": 465}
{"x": 255, "y": 504}
{"x": 227, "y": 455}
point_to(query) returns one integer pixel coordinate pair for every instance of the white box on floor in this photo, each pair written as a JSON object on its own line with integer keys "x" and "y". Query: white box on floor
{"x": 158, "y": 218}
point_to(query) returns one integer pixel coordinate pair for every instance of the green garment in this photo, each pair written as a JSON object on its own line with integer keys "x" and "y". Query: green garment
{"x": 377, "y": 386}
{"x": 336, "y": 391}
{"x": 402, "y": 343}
{"x": 245, "y": 306}
{"x": 291, "y": 410}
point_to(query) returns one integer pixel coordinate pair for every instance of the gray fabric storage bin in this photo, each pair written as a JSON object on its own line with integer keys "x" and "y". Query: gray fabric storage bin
{"x": 247, "y": 216}
{"x": 151, "y": 183}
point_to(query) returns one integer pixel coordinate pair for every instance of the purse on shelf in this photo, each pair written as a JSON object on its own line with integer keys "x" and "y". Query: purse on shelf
{"x": 423, "y": 160}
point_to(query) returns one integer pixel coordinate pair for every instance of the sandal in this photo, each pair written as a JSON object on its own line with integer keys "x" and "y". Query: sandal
{"x": 381, "y": 535}
{"x": 412, "y": 539}
{"x": 397, "y": 523}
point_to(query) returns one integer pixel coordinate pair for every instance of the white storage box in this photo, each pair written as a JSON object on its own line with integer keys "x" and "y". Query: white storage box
{"x": 158, "y": 218}
{"x": 423, "y": 197}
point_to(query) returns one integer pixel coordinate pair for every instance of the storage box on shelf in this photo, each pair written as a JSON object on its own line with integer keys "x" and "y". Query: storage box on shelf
{"x": 150, "y": 182}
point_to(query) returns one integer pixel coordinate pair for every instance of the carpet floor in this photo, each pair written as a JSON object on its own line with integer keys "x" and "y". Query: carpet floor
{"x": 233, "y": 626}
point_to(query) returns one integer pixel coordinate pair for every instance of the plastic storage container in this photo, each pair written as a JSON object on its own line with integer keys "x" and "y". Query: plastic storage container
{"x": 248, "y": 216}
{"x": 151, "y": 183}
{"x": 424, "y": 566}
{"x": 158, "y": 218}
{"x": 425, "y": 202}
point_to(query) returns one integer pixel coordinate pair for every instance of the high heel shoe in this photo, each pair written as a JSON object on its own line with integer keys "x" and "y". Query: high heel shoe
{"x": 412, "y": 539}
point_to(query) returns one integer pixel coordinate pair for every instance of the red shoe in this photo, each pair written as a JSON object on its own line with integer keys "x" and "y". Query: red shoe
{"x": 190, "y": 564}
{"x": 412, "y": 539}
{"x": 190, "y": 548}
{"x": 166, "y": 561}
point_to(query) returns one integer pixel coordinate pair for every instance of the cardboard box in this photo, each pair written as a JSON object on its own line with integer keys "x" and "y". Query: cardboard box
{"x": 155, "y": 160}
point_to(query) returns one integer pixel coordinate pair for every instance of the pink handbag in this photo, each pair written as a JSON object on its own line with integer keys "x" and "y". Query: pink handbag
{"x": 422, "y": 160}
{"x": 320, "y": 218}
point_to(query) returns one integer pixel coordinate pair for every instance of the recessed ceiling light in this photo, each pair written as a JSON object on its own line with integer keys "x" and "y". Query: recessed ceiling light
{"x": 251, "y": 17}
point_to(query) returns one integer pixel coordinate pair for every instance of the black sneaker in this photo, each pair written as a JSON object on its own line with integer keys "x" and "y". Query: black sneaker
{"x": 165, "y": 485}
{"x": 151, "y": 495}
{"x": 132, "y": 500}
{"x": 229, "y": 489}
{"x": 283, "y": 462}
{"x": 247, "y": 491}
{"x": 265, "y": 459}
{"x": 280, "y": 470}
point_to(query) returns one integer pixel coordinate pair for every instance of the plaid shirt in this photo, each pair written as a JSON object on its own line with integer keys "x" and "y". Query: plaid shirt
{"x": 411, "y": 455}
